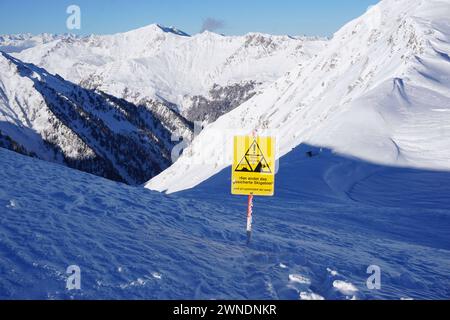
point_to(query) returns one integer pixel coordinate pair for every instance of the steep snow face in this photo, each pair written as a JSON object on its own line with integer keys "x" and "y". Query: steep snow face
{"x": 379, "y": 92}
{"x": 20, "y": 42}
{"x": 47, "y": 117}
{"x": 164, "y": 63}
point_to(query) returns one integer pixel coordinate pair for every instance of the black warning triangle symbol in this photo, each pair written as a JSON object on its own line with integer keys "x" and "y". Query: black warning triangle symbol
{"x": 253, "y": 161}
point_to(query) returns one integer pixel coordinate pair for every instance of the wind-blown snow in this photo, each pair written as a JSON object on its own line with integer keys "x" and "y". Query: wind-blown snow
{"x": 379, "y": 92}
{"x": 309, "y": 242}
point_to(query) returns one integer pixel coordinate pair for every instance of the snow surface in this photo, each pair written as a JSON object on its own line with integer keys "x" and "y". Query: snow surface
{"x": 378, "y": 92}
{"x": 309, "y": 242}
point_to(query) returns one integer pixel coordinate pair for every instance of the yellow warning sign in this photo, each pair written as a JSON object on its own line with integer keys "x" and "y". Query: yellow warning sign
{"x": 253, "y": 171}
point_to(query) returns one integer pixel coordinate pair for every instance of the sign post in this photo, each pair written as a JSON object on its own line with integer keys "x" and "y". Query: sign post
{"x": 253, "y": 171}
{"x": 249, "y": 217}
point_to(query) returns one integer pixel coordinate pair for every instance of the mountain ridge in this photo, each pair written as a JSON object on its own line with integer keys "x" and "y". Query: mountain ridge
{"x": 373, "y": 93}
{"x": 55, "y": 120}
{"x": 151, "y": 63}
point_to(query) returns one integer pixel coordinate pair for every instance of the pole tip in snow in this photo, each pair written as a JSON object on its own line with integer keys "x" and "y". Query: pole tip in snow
{"x": 249, "y": 237}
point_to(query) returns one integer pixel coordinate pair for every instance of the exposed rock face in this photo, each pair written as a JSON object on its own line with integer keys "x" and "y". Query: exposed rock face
{"x": 220, "y": 101}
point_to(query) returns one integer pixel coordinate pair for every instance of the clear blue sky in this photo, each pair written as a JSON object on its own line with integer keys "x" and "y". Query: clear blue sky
{"x": 294, "y": 17}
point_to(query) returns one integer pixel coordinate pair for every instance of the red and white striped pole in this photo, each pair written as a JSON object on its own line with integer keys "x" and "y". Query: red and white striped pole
{"x": 249, "y": 217}
{"x": 250, "y": 208}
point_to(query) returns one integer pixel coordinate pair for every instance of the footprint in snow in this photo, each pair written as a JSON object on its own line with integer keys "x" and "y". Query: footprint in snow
{"x": 345, "y": 288}
{"x": 12, "y": 204}
{"x": 299, "y": 287}
{"x": 340, "y": 288}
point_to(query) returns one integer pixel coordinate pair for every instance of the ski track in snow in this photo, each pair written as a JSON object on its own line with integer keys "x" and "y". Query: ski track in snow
{"x": 131, "y": 243}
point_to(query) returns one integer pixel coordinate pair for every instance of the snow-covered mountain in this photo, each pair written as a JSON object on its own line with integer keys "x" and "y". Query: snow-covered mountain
{"x": 165, "y": 64}
{"x": 350, "y": 123}
{"x": 380, "y": 91}
{"x": 45, "y": 116}
{"x": 163, "y": 70}
{"x": 20, "y": 42}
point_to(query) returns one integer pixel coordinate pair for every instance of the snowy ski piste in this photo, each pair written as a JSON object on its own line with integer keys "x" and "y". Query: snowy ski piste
{"x": 362, "y": 128}
{"x": 308, "y": 243}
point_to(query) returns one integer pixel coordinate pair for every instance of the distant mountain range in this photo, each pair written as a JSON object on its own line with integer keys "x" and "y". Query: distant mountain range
{"x": 167, "y": 65}
{"x": 116, "y": 105}
{"x": 19, "y": 42}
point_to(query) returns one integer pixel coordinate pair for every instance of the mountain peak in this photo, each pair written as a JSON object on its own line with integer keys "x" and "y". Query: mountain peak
{"x": 361, "y": 96}
{"x": 173, "y": 30}
{"x": 155, "y": 27}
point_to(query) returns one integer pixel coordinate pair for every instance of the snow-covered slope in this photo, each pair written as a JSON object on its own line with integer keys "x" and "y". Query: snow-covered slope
{"x": 380, "y": 91}
{"x": 309, "y": 242}
{"x": 20, "y": 42}
{"x": 165, "y": 64}
{"x": 45, "y": 116}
